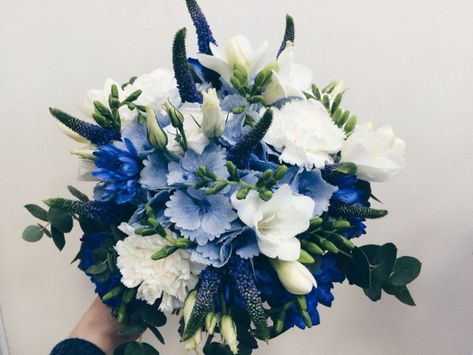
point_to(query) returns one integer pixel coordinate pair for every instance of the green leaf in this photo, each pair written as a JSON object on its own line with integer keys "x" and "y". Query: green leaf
{"x": 60, "y": 219}
{"x": 37, "y": 212}
{"x": 382, "y": 263}
{"x": 347, "y": 168}
{"x": 76, "y": 193}
{"x": 153, "y": 316}
{"x": 135, "y": 348}
{"x": 217, "y": 349}
{"x": 32, "y": 233}
{"x": 401, "y": 293}
{"x": 58, "y": 238}
{"x": 135, "y": 329}
{"x": 97, "y": 268}
{"x": 406, "y": 269}
{"x": 89, "y": 225}
{"x": 359, "y": 272}
{"x": 157, "y": 334}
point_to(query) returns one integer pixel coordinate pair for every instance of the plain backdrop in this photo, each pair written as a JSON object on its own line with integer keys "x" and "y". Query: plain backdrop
{"x": 408, "y": 63}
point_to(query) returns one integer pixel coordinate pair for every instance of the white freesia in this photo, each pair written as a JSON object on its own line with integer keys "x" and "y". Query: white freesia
{"x": 170, "y": 278}
{"x": 229, "y": 333}
{"x": 294, "y": 276}
{"x": 304, "y": 133}
{"x": 289, "y": 80}
{"x": 213, "y": 119}
{"x": 277, "y": 221}
{"x": 237, "y": 50}
{"x": 156, "y": 87}
{"x": 378, "y": 154}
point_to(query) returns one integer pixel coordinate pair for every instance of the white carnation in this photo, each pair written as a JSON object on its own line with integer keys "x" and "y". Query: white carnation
{"x": 304, "y": 133}
{"x": 170, "y": 278}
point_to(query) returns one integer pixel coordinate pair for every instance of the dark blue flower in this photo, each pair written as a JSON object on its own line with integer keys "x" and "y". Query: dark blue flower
{"x": 90, "y": 243}
{"x": 276, "y": 295}
{"x": 351, "y": 191}
{"x": 118, "y": 169}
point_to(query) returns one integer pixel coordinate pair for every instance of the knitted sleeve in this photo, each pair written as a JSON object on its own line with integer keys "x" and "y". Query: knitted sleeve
{"x": 76, "y": 347}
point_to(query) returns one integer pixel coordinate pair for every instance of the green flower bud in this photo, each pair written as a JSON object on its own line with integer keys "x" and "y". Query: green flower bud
{"x": 267, "y": 174}
{"x": 241, "y": 195}
{"x": 312, "y": 248}
{"x": 156, "y": 135}
{"x": 306, "y": 318}
{"x": 280, "y": 172}
{"x": 341, "y": 224}
{"x": 265, "y": 195}
{"x": 328, "y": 245}
{"x": 176, "y": 117}
{"x": 315, "y": 222}
{"x": 306, "y": 258}
{"x": 164, "y": 252}
{"x": 238, "y": 110}
{"x": 133, "y": 96}
{"x": 301, "y": 303}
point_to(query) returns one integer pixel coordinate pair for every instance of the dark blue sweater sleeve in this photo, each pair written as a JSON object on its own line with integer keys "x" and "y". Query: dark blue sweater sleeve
{"x": 76, "y": 347}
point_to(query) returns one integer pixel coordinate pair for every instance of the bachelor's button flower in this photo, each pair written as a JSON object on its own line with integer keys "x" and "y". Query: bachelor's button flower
{"x": 277, "y": 222}
{"x": 200, "y": 217}
{"x": 119, "y": 171}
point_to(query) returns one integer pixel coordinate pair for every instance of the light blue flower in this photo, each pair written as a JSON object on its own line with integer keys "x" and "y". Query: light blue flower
{"x": 213, "y": 158}
{"x": 137, "y": 134}
{"x": 234, "y": 131}
{"x": 157, "y": 202}
{"x": 199, "y": 217}
{"x": 240, "y": 240}
{"x": 153, "y": 175}
{"x": 310, "y": 183}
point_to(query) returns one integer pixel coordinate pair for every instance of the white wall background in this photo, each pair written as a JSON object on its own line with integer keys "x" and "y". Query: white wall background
{"x": 407, "y": 62}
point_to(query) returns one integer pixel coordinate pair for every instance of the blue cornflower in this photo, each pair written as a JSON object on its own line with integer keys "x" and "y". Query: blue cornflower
{"x": 118, "y": 169}
{"x": 199, "y": 217}
{"x": 90, "y": 243}
{"x": 183, "y": 173}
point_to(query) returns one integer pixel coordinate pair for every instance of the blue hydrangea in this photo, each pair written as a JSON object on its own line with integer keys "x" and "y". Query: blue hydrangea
{"x": 153, "y": 175}
{"x": 199, "y": 217}
{"x": 240, "y": 240}
{"x": 138, "y": 135}
{"x": 183, "y": 173}
{"x": 118, "y": 169}
{"x": 158, "y": 203}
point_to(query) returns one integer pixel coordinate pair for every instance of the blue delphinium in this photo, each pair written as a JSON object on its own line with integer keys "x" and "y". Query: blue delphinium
{"x": 90, "y": 243}
{"x": 276, "y": 295}
{"x": 351, "y": 191}
{"x": 200, "y": 217}
{"x": 118, "y": 169}
{"x": 183, "y": 172}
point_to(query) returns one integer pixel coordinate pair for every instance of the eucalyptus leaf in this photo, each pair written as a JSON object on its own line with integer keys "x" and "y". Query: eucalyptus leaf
{"x": 382, "y": 260}
{"x": 60, "y": 219}
{"x": 76, "y": 193}
{"x": 359, "y": 272}
{"x": 406, "y": 269}
{"x": 37, "y": 212}
{"x": 58, "y": 237}
{"x": 135, "y": 329}
{"x": 157, "y": 334}
{"x": 153, "y": 316}
{"x": 401, "y": 293}
{"x": 97, "y": 268}
{"x": 32, "y": 233}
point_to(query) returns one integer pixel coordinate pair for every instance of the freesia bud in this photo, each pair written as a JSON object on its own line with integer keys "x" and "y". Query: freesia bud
{"x": 189, "y": 305}
{"x": 85, "y": 153}
{"x": 213, "y": 119}
{"x": 176, "y": 117}
{"x": 156, "y": 135}
{"x": 210, "y": 322}
{"x": 294, "y": 276}
{"x": 229, "y": 334}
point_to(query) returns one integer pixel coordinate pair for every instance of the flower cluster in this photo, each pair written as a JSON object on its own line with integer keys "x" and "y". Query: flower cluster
{"x": 236, "y": 187}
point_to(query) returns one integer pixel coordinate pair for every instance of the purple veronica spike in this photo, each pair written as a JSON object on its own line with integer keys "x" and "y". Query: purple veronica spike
{"x": 204, "y": 34}
{"x": 185, "y": 82}
{"x": 95, "y": 134}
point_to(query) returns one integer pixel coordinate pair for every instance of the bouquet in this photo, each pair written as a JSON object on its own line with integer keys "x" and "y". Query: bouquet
{"x": 230, "y": 192}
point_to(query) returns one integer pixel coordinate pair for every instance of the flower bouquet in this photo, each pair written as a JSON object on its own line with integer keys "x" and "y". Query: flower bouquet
{"x": 229, "y": 192}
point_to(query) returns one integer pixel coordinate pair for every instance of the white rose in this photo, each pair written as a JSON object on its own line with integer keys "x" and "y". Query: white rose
{"x": 213, "y": 119}
{"x": 304, "y": 133}
{"x": 294, "y": 276}
{"x": 237, "y": 50}
{"x": 378, "y": 154}
{"x": 277, "y": 222}
{"x": 289, "y": 80}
